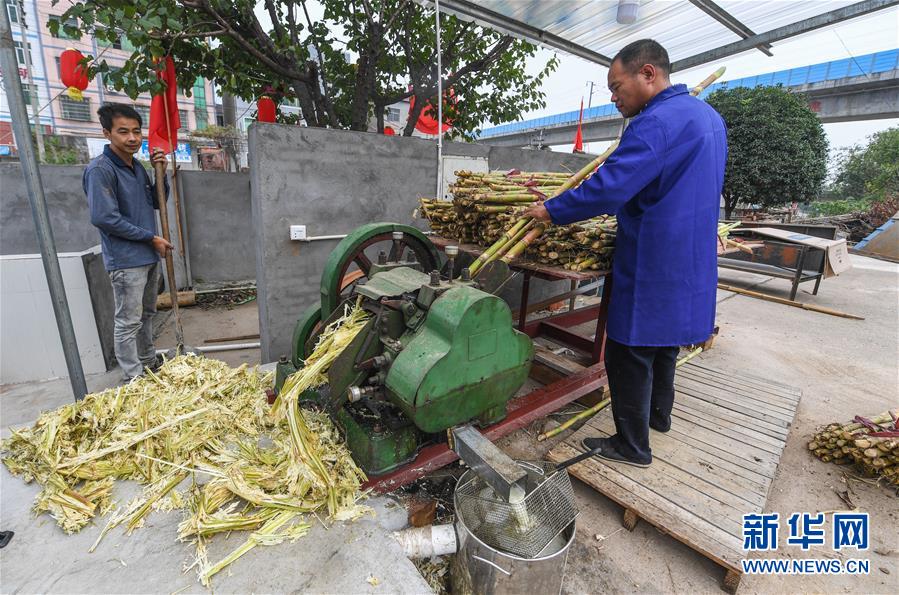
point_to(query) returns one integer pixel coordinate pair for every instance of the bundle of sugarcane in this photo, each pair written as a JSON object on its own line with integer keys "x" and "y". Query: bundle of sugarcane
{"x": 588, "y": 245}
{"x": 197, "y": 417}
{"x": 871, "y": 445}
{"x": 518, "y": 243}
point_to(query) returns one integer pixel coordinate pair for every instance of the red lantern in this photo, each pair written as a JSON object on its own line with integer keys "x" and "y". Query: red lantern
{"x": 389, "y": 131}
{"x": 73, "y": 73}
{"x": 265, "y": 109}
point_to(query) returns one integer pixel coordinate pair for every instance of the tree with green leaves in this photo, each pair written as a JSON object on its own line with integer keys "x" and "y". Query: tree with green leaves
{"x": 777, "y": 149}
{"x": 870, "y": 171}
{"x": 390, "y": 45}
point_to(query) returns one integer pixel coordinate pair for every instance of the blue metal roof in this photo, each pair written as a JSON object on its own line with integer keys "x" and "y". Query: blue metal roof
{"x": 804, "y": 75}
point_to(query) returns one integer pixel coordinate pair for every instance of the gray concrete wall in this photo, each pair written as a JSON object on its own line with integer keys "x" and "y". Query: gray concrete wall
{"x": 332, "y": 182}
{"x": 218, "y": 216}
{"x": 216, "y": 209}
{"x": 66, "y": 202}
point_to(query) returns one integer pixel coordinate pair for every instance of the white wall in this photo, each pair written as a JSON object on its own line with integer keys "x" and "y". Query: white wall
{"x": 30, "y": 348}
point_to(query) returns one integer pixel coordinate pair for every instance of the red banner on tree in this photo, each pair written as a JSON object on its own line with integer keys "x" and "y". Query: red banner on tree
{"x": 164, "y": 118}
{"x": 427, "y": 120}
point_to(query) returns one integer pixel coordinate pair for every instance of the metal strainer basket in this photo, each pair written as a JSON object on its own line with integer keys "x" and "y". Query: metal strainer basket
{"x": 523, "y": 529}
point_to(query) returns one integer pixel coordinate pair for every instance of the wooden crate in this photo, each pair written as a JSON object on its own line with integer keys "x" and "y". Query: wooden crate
{"x": 715, "y": 464}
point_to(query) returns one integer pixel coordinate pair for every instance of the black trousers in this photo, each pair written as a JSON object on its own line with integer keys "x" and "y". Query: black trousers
{"x": 641, "y": 380}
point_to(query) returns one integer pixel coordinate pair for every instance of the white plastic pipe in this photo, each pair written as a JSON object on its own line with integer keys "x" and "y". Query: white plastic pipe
{"x": 214, "y": 348}
{"x": 424, "y": 542}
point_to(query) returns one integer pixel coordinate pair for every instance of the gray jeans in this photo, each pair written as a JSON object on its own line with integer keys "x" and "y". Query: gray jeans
{"x": 135, "y": 293}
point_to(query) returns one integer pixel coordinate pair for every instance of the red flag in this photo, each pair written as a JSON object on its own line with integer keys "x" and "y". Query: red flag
{"x": 161, "y": 136}
{"x": 579, "y": 138}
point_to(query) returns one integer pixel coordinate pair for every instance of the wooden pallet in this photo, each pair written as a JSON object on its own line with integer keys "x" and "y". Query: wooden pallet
{"x": 715, "y": 465}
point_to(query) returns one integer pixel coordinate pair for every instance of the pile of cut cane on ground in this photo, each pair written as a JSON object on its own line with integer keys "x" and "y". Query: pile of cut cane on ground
{"x": 249, "y": 467}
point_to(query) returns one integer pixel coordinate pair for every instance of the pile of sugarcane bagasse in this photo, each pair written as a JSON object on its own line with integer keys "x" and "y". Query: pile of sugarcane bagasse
{"x": 871, "y": 445}
{"x": 201, "y": 438}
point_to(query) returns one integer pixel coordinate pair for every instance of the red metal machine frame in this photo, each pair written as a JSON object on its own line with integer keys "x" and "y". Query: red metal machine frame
{"x": 542, "y": 401}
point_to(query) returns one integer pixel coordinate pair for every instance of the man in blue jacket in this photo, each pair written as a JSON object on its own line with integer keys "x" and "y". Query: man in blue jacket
{"x": 122, "y": 199}
{"x": 663, "y": 183}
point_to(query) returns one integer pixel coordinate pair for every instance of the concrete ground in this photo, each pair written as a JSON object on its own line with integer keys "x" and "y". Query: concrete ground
{"x": 843, "y": 367}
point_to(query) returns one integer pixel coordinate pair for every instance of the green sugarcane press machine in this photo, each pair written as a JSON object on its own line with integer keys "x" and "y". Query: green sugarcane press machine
{"x": 437, "y": 352}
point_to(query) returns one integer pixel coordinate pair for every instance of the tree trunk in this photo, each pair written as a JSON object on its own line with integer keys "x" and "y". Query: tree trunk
{"x": 228, "y": 111}
{"x": 379, "y": 117}
{"x": 414, "y": 113}
{"x": 307, "y": 105}
{"x": 730, "y": 202}
{"x": 359, "y": 108}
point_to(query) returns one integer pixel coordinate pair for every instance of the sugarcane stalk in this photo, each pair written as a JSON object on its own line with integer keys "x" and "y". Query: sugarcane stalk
{"x": 485, "y": 256}
{"x": 707, "y": 81}
{"x": 688, "y": 357}
{"x": 519, "y": 247}
{"x": 574, "y": 419}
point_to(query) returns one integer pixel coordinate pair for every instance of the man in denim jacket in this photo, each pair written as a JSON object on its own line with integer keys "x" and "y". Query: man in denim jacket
{"x": 122, "y": 199}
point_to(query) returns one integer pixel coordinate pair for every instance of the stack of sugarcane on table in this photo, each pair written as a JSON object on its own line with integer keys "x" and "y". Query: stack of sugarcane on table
{"x": 485, "y": 206}
{"x": 871, "y": 445}
{"x": 487, "y": 210}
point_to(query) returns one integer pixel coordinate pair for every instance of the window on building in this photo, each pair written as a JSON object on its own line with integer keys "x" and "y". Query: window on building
{"x": 60, "y": 32}
{"x": 12, "y": 9}
{"x": 393, "y": 114}
{"x": 119, "y": 43}
{"x": 27, "y": 90}
{"x": 182, "y": 115}
{"x": 20, "y": 52}
{"x": 75, "y": 110}
{"x": 144, "y": 111}
{"x": 199, "y": 92}
{"x": 202, "y": 117}
{"x": 219, "y": 117}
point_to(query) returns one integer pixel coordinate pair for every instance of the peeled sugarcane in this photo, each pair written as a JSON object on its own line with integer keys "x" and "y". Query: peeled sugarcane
{"x": 593, "y": 165}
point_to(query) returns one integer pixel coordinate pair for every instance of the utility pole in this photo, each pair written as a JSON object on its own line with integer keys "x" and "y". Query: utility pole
{"x": 32, "y": 88}
{"x": 590, "y": 99}
{"x": 35, "y": 190}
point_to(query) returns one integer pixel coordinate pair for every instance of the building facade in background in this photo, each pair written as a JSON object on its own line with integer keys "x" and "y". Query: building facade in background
{"x": 77, "y": 120}
{"x": 61, "y": 115}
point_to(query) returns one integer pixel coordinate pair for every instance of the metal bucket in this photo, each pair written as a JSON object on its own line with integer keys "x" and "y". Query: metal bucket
{"x": 481, "y": 569}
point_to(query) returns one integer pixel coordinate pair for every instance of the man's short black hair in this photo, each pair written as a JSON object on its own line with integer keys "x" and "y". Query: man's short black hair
{"x": 644, "y": 51}
{"x": 111, "y": 110}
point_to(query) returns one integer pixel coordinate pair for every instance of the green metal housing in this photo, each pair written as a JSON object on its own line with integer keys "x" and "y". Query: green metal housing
{"x": 465, "y": 360}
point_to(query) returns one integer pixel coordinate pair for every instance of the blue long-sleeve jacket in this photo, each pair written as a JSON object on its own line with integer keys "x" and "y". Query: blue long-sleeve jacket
{"x": 122, "y": 200}
{"x": 664, "y": 184}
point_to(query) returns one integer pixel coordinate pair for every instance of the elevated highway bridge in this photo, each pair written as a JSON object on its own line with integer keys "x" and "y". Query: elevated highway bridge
{"x": 861, "y": 88}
